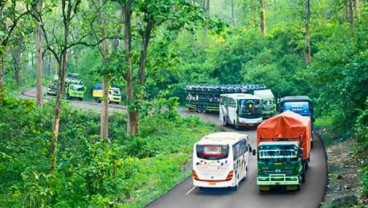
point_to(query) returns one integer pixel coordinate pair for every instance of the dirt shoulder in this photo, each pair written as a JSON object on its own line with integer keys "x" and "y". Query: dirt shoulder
{"x": 343, "y": 188}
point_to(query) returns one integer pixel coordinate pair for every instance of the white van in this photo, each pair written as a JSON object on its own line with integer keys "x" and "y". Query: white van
{"x": 221, "y": 160}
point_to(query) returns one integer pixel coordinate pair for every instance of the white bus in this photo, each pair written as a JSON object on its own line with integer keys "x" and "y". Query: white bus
{"x": 240, "y": 110}
{"x": 220, "y": 160}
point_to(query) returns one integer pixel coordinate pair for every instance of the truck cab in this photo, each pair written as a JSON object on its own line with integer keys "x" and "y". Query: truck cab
{"x": 268, "y": 104}
{"x": 51, "y": 89}
{"x": 301, "y": 105}
{"x": 114, "y": 95}
{"x": 75, "y": 91}
{"x": 280, "y": 163}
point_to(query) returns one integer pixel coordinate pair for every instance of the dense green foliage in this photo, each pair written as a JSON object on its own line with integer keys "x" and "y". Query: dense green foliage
{"x": 361, "y": 132}
{"x": 91, "y": 173}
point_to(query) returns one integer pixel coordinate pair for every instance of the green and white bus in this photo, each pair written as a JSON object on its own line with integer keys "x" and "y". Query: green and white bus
{"x": 240, "y": 110}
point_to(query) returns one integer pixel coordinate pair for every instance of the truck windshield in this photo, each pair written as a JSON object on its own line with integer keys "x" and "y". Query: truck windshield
{"x": 77, "y": 87}
{"x": 114, "y": 92}
{"x": 268, "y": 104}
{"x": 212, "y": 152}
{"x": 298, "y": 107}
{"x": 278, "y": 151}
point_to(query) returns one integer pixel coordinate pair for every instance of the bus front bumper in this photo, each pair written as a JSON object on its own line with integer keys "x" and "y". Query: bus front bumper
{"x": 249, "y": 122}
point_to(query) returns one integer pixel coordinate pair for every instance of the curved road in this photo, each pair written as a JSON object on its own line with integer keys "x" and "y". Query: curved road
{"x": 310, "y": 195}
{"x": 184, "y": 195}
{"x": 32, "y": 92}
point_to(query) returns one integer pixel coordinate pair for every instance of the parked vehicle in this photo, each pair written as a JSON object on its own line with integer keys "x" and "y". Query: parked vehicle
{"x": 302, "y": 105}
{"x": 240, "y": 110}
{"x": 221, "y": 160}
{"x": 268, "y": 102}
{"x": 283, "y": 151}
{"x": 114, "y": 95}
{"x": 206, "y": 97}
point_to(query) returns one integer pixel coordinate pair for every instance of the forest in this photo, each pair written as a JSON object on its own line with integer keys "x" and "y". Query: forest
{"x": 53, "y": 155}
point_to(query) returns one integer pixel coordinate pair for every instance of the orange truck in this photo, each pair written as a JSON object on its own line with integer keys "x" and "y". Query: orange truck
{"x": 283, "y": 151}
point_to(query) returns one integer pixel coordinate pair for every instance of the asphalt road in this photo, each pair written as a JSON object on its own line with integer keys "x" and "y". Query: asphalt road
{"x": 310, "y": 195}
{"x": 184, "y": 195}
{"x": 32, "y": 93}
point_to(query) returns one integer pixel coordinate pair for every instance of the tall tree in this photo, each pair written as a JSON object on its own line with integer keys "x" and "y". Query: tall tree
{"x": 132, "y": 126}
{"x": 10, "y": 14}
{"x": 153, "y": 14}
{"x": 104, "y": 132}
{"x": 262, "y": 17}
{"x": 16, "y": 49}
{"x": 357, "y": 8}
{"x": 58, "y": 44}
{"x": 39, "y": 55}
{"x": 350, "y": 8}
{"x": 307, "y": 51}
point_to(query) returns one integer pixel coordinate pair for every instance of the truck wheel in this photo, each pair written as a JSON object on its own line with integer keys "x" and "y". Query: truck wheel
{"x": 199, "y": 108}
{"x": 263, "y": 189}
{"x": 297, "y": 187}
{"x": 246, "y": 173}
{"x": 306, "y": 166}
{"x": 224, "y": 123}
{"x": 204, "y": 109}
{"x": 236, "y": 126}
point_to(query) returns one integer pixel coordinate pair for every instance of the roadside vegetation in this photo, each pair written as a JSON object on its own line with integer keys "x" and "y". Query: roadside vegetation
{"x": 124, "y": 171}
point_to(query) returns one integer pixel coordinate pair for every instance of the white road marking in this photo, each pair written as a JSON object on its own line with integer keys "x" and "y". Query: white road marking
{"x": 188, "y": 192}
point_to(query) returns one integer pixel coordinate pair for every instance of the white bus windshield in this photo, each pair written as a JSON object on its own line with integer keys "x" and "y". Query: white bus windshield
{"x": 212, "y": 152}
{"x": 249, "y": 106}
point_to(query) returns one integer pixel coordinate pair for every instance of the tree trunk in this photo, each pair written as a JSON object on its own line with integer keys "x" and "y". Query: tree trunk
{"x": 254, "y": 13}
{"x": 39, "y": 59}
{"x": 67, "y": 8}
{"x": 206, "y": 8}
{"x": 132, "y": 126}
{"x": 350, "y": 9}
{"x": 244, "y": 13}
{"x": 307, "y": 52}
{"x": 106, "y": 84}
{"x": 17, "y": 62}
{"x": 143, "y": 55}
{"x": 263, "y": 18}
{"x": 357, "y": 8}
{"x": 57, "y": 113}
{"x": 105, "y": 109}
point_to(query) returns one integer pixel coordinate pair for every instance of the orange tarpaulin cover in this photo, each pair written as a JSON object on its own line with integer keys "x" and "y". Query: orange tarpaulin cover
{"x": 287, "y": 125}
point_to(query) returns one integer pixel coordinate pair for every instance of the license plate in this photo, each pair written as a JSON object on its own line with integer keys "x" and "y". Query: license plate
{"x": 212, "y": 183}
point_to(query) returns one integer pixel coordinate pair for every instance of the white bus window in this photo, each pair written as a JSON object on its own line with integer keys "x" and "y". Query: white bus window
{"x": 240, "y": 149}
{"x": 212, "y": 152}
